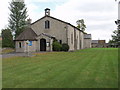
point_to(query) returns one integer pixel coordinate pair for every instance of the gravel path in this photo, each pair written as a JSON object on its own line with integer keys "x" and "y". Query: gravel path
{"x": 14, "y": 54}
{"x": 7, "y": 55}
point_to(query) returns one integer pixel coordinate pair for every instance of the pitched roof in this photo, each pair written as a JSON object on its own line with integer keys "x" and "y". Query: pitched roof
{"x": 95, "y": 41}
{"x": 57, "y": 20}
{"x": 50, "y": 36}
{"x": 27, "y": 34}
{"x": 87, "y": 36}
{"x": 98, "y": 41}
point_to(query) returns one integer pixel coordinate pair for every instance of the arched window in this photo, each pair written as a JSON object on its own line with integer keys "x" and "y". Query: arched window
{"x": 47, "y": 24}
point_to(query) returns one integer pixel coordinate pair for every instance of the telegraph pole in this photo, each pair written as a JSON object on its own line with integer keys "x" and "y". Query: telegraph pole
{"x": 118, "y": 23}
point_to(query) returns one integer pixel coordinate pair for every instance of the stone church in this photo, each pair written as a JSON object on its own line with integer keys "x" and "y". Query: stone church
{"x": 39, "y": 35}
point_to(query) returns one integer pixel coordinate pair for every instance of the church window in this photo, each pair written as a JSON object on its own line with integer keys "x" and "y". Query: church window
{"x": 47, "y": 24}
{"x": 77, "y": 40}
{"x": 72, "y": 38}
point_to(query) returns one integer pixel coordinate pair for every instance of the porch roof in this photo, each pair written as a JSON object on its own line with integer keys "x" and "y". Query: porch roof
{"x": 27, "y": 34}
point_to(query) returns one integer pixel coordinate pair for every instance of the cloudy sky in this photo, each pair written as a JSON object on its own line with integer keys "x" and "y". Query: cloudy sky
{"x": 99, "y": 15}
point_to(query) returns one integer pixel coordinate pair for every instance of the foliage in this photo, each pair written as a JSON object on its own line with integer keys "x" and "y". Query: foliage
{"x": 65, "y": 47}
{"x": 7, "y": 38}
{"x": 81, "y": 25}
{"x": 56, "y": 46}
{"x": 18, "y": 15}
{"x": 115, "y": 38}
{"x": 87, "y": 68}
{"x": 59, "y": 47}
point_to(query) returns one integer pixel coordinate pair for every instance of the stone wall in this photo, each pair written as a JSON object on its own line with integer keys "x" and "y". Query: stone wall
{"x": 87, "y": 43}
{"x": 24, "y": 46}
{"x": 57, "y": 29}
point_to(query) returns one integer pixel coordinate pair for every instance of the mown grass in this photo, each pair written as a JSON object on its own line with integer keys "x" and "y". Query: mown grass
{"x": 89, "y": 68}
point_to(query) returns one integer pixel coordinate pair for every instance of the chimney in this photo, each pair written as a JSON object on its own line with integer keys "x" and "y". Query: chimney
{"x": 29, "y": 22}
{"x": 47, "y": 12}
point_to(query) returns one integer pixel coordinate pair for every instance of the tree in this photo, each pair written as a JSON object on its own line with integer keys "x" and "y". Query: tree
{"x": 17, "y": 18}
{"x": 81, "y": 25}
{"x": 115, "y": 38}
{"x": 7, "y": 38}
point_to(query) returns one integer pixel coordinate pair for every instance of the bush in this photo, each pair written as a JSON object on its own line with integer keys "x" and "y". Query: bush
{"x": 56, "y": 46}
{"x": 7, "y": 38}
{"x": 65, "y": 47}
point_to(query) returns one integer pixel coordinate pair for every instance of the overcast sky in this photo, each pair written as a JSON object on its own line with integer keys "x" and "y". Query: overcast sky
{"x": 99, "y": 15}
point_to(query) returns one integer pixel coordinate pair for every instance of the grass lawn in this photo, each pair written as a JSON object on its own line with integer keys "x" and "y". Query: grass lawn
{"x": 88, "y": 68}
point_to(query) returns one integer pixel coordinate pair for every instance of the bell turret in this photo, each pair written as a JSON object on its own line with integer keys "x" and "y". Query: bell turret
{"x": 47, "y": 11}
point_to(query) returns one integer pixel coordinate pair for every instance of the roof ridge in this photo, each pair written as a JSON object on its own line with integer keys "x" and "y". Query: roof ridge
{"x": 58, "y": 20}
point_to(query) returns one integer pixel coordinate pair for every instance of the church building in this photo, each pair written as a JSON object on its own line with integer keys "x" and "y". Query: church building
{"x": 39, "y": 35}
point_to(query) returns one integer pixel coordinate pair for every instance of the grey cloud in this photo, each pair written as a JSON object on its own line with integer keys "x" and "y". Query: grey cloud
{"x": 106, "y": 27}
{"x": 93, "y": 7}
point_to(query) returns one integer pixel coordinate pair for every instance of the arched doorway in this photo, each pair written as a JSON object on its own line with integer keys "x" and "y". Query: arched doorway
{"x": 42, "y": 44}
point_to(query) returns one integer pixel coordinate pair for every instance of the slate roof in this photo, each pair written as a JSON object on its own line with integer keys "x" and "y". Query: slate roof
{"x": 27, "y": 34}
{"x": 87, "y": 36}
{"x": 95, "y": 41}
{"x": 57, "y": 20}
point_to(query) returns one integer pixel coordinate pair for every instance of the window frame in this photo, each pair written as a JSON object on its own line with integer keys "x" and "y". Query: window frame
{"x": 47, "y": 24}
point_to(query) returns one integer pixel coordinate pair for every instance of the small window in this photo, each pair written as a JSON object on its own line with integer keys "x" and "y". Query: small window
{"x": 47, "y": 24}
{"x": 60, "y": 41}
{"x": 20, "y": 44}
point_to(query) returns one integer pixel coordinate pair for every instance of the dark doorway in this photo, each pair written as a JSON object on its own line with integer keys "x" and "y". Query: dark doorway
{"x": 42, "y": 45}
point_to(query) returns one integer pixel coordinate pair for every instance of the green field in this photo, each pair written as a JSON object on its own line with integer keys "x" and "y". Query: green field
{"x": 88, "y": 68}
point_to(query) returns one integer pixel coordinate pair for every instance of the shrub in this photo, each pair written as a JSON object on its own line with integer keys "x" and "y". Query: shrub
{"x": 65, "y": 47}
{"x": 7, "y": 38}
{"x": 56, "y": 46}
